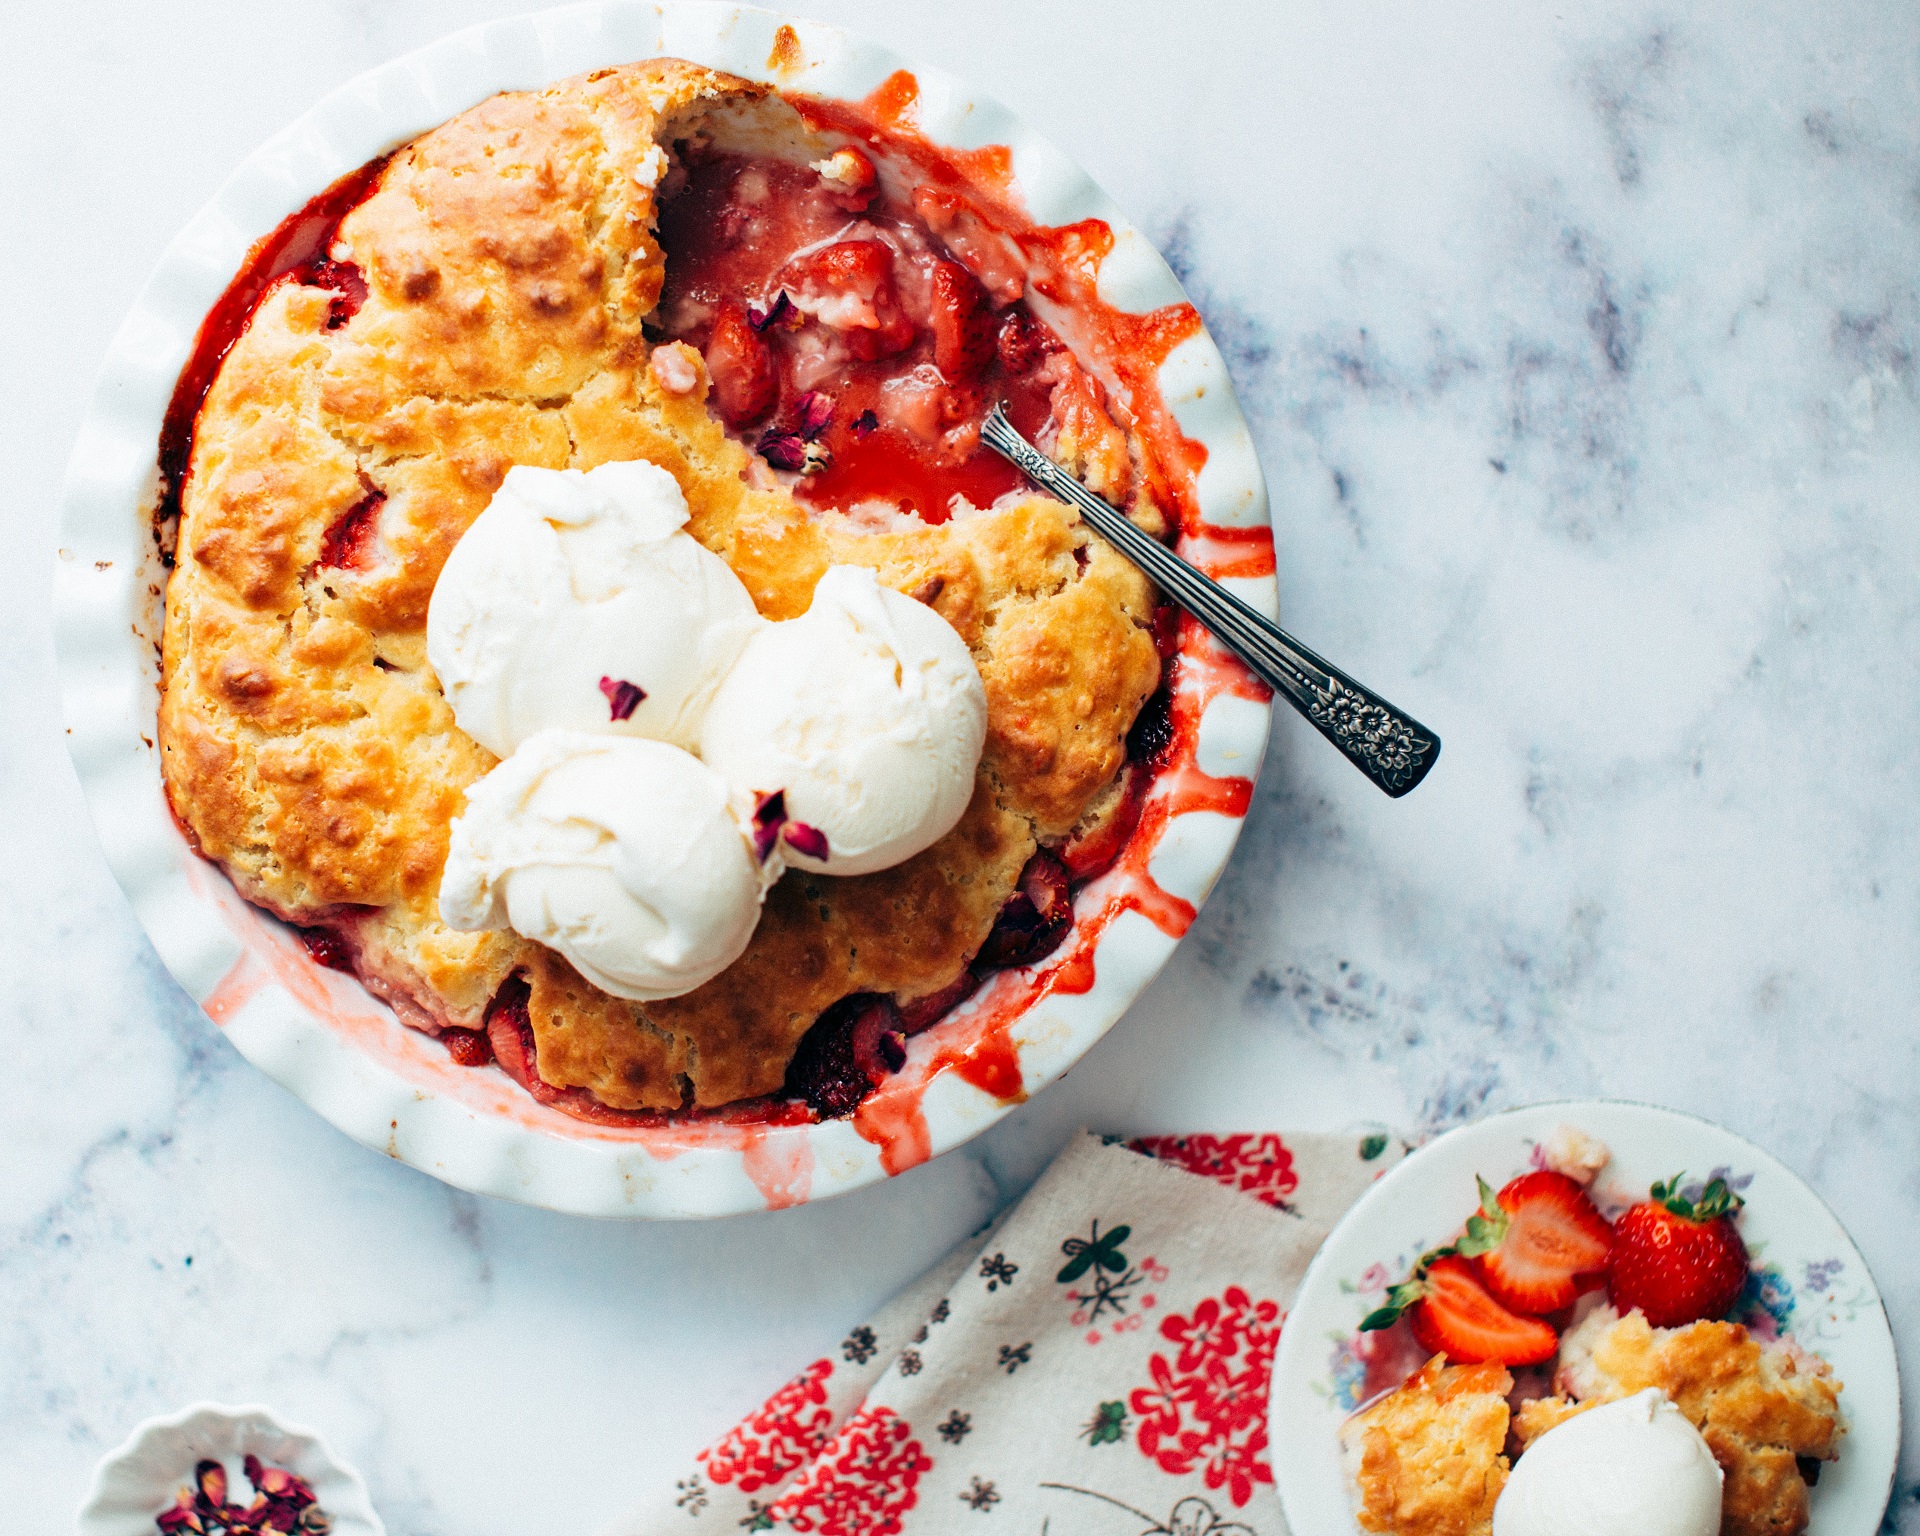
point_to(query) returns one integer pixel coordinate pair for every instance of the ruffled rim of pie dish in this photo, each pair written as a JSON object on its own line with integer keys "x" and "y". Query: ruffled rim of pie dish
{"x": 318, "y": 1032}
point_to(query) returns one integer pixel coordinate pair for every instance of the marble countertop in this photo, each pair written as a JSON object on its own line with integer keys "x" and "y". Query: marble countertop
{"x": 1580, "y": 349}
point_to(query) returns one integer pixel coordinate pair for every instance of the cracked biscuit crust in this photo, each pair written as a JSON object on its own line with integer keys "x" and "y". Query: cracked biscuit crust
{"x": 1763, "y": 1410}
{"x": 510, "y": 262}
{"x": 1427, "y": 1460}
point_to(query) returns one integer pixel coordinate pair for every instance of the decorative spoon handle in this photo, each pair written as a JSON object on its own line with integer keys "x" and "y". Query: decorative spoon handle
{"x": 1390, "y": 747}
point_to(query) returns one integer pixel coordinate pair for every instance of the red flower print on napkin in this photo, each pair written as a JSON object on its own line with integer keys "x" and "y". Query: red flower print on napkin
{"x": 861, "y": 1484}
{"x": 1257, "y": 1165}
{"x": 1207, "y": 1408}
{"x": 788, "y": 1430}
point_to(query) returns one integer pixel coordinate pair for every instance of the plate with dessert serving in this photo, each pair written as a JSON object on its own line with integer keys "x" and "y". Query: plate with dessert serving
{"x": 1588, "y": 1316}
{"x": 553, "y": 664}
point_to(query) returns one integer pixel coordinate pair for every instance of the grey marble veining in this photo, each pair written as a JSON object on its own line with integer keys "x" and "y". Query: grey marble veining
{"x": 1580, "y": 351}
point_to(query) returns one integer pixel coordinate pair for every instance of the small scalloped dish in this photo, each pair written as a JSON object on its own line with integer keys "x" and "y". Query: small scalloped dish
{"x": 135, "y": 1482}
{"x": 318, "y": 1032}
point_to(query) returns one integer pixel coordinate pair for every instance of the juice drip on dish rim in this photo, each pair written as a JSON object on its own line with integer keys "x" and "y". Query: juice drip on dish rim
{"x": 979, "y": 1047}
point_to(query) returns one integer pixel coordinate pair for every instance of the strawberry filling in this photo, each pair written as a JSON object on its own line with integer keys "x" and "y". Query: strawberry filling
{"x": 348, "y": 543}
{"x": 325, "y": 947}
{"x": 847, "y": 1054}
{"x": 1034, "y": 919}
{"x": 793, "y": 283}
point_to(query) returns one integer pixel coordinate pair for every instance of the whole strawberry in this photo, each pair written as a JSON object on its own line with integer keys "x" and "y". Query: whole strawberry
{"x": 1678, "y": 1260}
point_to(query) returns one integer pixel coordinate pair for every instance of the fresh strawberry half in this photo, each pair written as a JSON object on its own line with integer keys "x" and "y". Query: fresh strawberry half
{"x": 1453, "y": 1314}
{"x": 1539, "y": 1243}
{"x": 1679, "y": 1260}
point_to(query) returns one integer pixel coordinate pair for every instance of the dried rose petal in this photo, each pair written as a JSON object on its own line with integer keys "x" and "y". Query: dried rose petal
{"x": 769, "y": 816}
{"x": 296, "y": 1498}
{"x": 182, "y": 1517}
{"x": 211, "y": 1480}
{"x": 814, "y": 410}
{"x": 778, "y": 310}
{"x": 865, "y": 423}
{"x": 806, "y": 840}
{"x": 783, "y": 450}
{"x": 249, "y": 1521}
{"x": 277, "y": 1482}
{"x": 314, "y": 1521}
{"x": 623, "y": 697}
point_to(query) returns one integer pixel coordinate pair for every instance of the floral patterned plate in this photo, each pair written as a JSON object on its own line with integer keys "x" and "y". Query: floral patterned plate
{"x": 1807, "y": 1280}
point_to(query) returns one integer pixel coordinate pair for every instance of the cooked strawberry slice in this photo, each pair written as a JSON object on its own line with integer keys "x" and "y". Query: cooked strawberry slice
{"x": 963, "y": 334}
{"x": 740, "y": 363}
{"x": 1679, "y": 1260}
{"x": 849, "y": 286}
{"x": 1453, "y": 1314}
{"x": 1539, "y": 1243}
{"x": 1023, "y": 343}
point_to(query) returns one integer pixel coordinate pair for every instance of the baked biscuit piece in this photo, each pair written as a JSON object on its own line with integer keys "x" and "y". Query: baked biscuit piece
{"x": 1762, "y": 1409}
{"x": 1428, "y": 1459}
{"x": 510, "y": 262}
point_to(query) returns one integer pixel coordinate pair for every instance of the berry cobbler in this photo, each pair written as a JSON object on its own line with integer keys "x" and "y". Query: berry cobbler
{"x": 785, "y": 332}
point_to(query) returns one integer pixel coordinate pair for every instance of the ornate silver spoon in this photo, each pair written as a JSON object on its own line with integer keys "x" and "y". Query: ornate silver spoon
{"x": 1390, "y": 747}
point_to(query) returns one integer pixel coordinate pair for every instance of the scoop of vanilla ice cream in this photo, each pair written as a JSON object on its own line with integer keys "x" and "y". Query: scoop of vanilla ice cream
{"x": 570, "y": 578}
{"x": 866, "y": 712}
{"x": 1636, "y": 1467}
{"x": 625, "y": 855}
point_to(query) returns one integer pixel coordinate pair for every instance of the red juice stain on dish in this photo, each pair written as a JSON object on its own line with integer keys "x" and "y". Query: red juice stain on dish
{"x": 980, "y": 1048}
{"x": 894, "y": 1119}
{"x": 299, "y": 244}
{"x": 1223, "y": 552}
{"x": 779, "y": 1164}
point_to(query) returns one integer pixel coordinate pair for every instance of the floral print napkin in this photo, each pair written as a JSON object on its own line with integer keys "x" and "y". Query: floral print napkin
{"x": 1094, "y": 1364}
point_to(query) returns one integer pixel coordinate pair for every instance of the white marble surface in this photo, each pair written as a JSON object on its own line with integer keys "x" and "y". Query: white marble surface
{"x": 1580, "y": 349}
